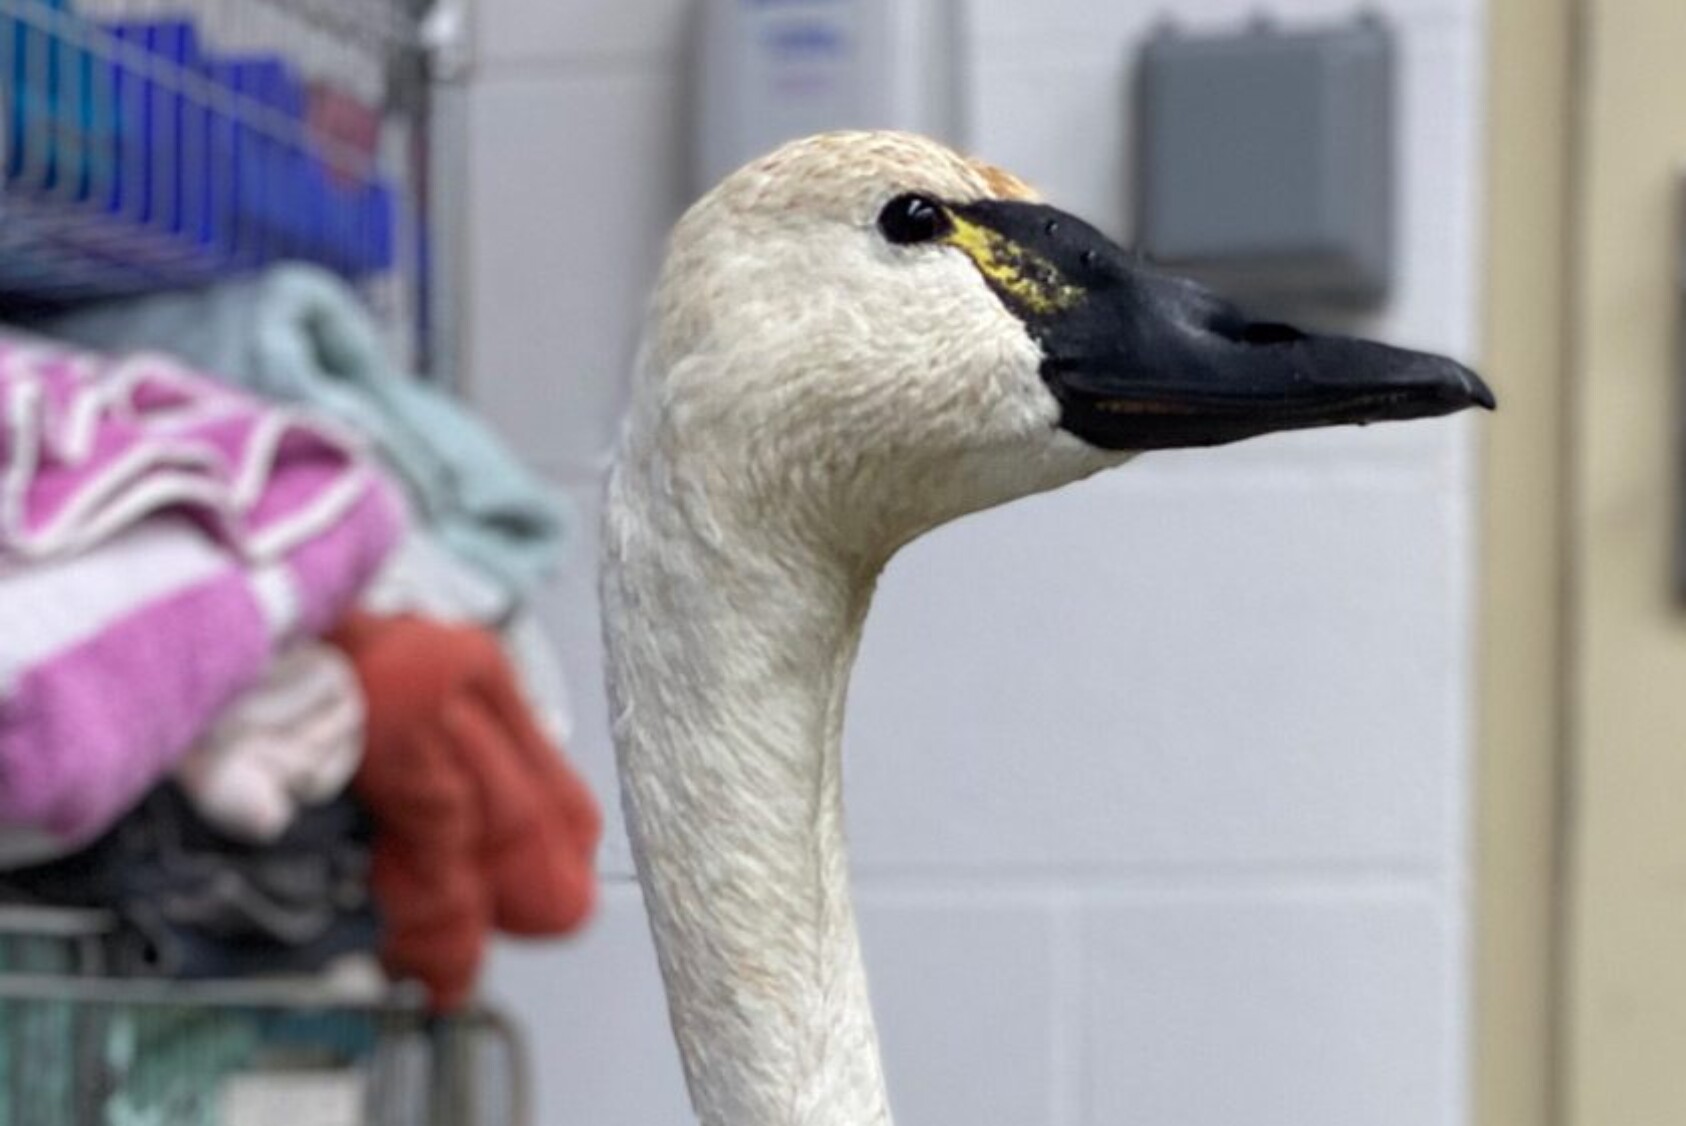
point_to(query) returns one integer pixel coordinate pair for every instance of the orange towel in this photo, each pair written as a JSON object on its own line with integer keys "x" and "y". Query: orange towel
{"x": 479, "y": 820}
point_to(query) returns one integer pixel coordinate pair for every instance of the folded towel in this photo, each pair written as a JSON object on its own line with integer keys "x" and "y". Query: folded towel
{"x": 480, "y": 822}
{"x": 114, "y": 662}
{"x": 538, "y": 669}
{"x": 292, "y": 740}
{"x": 422, "y": 578}
{"x": 89, "y": 446}
{"x": 162, "y": 538}
{"x": 193, "y": 903}
{"x": 298, "y": 333}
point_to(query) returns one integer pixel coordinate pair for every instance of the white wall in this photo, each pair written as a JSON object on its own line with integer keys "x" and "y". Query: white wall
{"x": 1157, "y": 785}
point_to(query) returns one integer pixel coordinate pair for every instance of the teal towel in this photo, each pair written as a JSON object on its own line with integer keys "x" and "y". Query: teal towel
{"x": 168, "y": 1063}
{"x": 300, "y": 334}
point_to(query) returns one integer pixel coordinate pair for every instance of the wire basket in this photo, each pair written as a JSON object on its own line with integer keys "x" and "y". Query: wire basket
{"x": 162, "y": 143}
{"x": 80, "y": 1050}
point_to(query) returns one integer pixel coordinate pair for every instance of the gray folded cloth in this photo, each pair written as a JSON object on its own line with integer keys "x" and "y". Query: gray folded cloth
{"x": 192, "y": 903}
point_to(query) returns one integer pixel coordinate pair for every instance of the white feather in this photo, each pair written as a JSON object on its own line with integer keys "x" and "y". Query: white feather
{"x": 809, "y": 398}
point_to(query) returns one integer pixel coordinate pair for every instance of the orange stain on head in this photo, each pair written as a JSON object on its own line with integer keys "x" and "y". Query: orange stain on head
{"x": 1003, "y": 184}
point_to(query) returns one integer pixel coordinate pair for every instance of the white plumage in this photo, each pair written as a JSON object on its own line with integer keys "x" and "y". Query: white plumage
{"x": 810, "y": 396}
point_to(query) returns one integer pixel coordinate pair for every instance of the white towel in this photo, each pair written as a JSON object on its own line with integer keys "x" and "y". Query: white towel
{"x": 295, "y": 739}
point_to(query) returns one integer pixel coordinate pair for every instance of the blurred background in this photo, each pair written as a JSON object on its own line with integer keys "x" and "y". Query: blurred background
{"x": 1358, "y": 798}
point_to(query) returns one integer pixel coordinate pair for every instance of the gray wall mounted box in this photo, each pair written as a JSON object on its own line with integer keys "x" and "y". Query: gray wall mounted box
{"x": 1265, "y": 159}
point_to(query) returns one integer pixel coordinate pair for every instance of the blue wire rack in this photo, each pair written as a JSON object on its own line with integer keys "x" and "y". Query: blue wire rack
{"x": 146, "y": 147}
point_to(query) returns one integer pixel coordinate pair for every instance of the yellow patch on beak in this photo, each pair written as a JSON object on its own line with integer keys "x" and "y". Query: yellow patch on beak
{"x": 1021, "y": 274}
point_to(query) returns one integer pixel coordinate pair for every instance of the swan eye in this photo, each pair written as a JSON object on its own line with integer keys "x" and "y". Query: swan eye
{"x": 910, "y": 219}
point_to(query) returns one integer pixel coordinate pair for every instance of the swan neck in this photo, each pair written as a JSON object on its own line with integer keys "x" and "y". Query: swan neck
{"x": 728, "y": 676}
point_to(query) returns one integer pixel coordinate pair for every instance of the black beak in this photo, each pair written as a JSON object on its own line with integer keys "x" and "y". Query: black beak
{"x": 1141, "y": 360}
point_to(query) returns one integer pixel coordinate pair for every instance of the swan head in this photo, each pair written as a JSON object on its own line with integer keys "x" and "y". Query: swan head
{"x": 862, "y": 335}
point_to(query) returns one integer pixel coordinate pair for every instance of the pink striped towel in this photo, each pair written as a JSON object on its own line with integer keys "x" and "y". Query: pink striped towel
{"x": 89, "y": 445}
{"x": 161, "y": 537}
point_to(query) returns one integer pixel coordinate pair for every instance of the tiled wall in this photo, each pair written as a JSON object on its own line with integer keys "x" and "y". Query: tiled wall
{"x": 1157, "y": 785}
